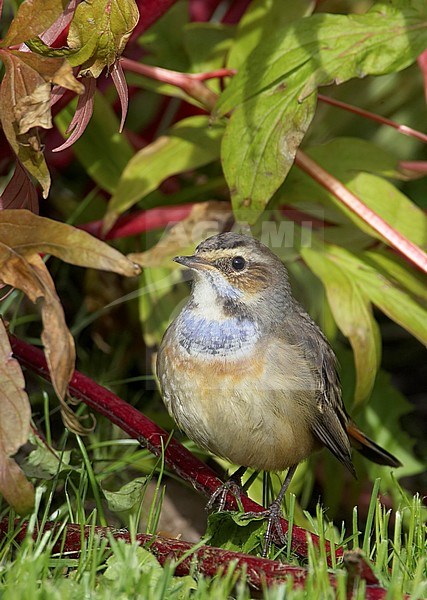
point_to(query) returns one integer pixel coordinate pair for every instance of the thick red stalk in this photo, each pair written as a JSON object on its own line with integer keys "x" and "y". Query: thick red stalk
{"x": 191, "y": 84}
{"x": 139, "y": 221}
{"x": 206, "y": 560}
{"x": 151, "y": 436}
{"x": 398, "y": 241}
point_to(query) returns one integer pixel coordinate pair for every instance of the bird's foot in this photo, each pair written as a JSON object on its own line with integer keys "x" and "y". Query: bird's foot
{"x": 220, "y": 494}
{"x": 233, "y": 486}
{"x": 274, "y": 514}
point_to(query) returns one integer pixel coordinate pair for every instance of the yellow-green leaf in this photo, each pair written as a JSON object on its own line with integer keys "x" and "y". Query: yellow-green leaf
{"x": 352, "y": 312}
{"x": 190, "y": 143}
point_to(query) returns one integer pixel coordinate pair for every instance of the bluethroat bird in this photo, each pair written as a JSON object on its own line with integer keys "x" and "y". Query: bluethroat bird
{"x": 247, "y": 374}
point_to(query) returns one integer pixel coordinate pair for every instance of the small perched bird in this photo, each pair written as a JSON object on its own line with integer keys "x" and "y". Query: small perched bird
{"x": 247, "y": 374}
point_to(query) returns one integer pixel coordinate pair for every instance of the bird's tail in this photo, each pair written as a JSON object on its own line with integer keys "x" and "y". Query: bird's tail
{"x": 369, "y": 448}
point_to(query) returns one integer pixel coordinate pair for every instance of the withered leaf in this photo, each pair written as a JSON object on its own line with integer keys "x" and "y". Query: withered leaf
{"x": 205, "y": 219}
{"x": 25, "y": 105}
{"x": 20, "y": 191}
{"x": 15, "y": 487}
{"x": 30, "y": 234}
{"x": 23, "y": 235}
{"x": 30, "y": 275}
{"x": 99, "y": 31}
{"x": 32, "y": 18}
{"x": 15, "y": 414}
{"x": 26, "y": 146}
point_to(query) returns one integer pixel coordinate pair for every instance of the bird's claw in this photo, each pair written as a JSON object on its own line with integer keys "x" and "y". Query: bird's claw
{"x": 229, "y": 487}
{"x": 274, "y": 514}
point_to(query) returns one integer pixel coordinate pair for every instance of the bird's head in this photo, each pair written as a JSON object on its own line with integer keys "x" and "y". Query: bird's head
{"x": 237, "y": 272}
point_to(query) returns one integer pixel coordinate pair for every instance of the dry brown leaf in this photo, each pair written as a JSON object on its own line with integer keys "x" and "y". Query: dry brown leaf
{"x": 20, "y": 191}
{"x": 26, "y": 146}
{"x": 25, "y": 105}
{"x": 32, "y": 18}
{"x": 15, "y": 415}
{"x": 23, "y": 235}
{"x": 28, "y": 233}
{"x": 205, "y": 219}
{"x": 30, "y": 275}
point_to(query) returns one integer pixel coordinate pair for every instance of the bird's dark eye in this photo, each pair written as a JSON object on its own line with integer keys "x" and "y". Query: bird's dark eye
{"x": 238, "y": 263}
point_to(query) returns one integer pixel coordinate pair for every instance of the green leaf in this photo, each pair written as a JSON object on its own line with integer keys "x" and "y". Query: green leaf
{"x": 191, "y": 143}
{"x": 356, "y": 163}
{"x": 347, "y": 155}
{"x": 352, "y": 312}
{"x": 399, "y": 271}
{"x": 389, "y": 203}
{"x": 33, "y": 17}
{"x": 381, "y": 419}
{"x": 99, "y": 31}
{"x": 44, "y": 462}
{"x": 336, "y": 47}
{"x": 164, "y": 40}
{"x": 103, "y": 151}
{"x": 38, "y": 46}
{"x": 228, "y": 530}
{"x": 259, "y": 147}
{"x": 127, "y": 497}
{"x": 385, "y": 292}
{"x": 273, "y": 93}
{"x": 142, "y": 561}
{"x": 260, "y": 18}
{"x": 207, "y": 45}
{"x": 159, "y": 296}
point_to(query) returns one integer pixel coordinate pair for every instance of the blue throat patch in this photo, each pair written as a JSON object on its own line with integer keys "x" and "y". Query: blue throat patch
{"x": 199, "y": 335}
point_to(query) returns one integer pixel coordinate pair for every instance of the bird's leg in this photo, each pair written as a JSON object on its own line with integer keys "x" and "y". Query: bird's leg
{"x": 232, "y": 485}
{"x": 273, "y": 513}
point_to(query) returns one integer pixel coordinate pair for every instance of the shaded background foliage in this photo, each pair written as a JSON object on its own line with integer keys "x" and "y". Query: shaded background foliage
{"x": 180, "y": 158}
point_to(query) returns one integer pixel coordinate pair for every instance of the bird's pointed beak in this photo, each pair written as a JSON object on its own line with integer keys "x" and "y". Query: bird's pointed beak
{"x": 193, "y": 262}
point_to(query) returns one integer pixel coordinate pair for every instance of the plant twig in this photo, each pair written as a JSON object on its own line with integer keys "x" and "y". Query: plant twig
{"x": 155, "y": 439}
{"x": 206, "y": 560}
{"x": 139, "y": 221}
{"x": 404, "y": 129}
{"x": 398, "y": 241}
{"x": 190, "y": 83}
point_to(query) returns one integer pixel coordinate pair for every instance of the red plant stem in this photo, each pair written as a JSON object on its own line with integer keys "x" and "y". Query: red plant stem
{"x": 155, "y": 218}
{"x": 206, "y": 560}
{"x": 414, "y": 166}
{"x": 374, "y": 117}
{"x": 412, "y": 252}
{"x": 191, "y": 84}
{"x": 139, "y": 221}
{"x": 422, "y": 63}
{"x": 151, "y": 436}
{"x": 177, "y": 78}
